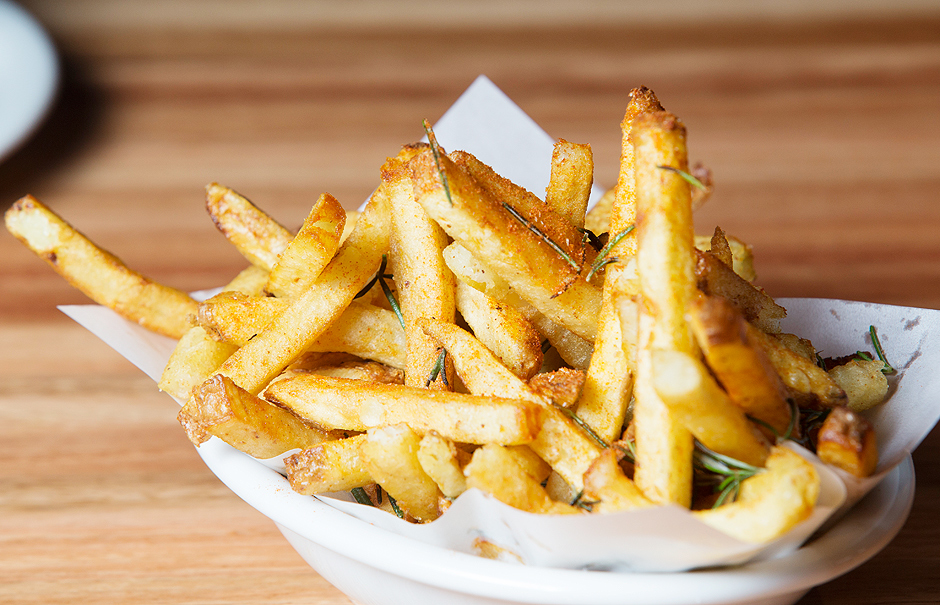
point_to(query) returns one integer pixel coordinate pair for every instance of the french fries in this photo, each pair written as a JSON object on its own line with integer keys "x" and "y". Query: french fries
{"x": 509, "y": 350}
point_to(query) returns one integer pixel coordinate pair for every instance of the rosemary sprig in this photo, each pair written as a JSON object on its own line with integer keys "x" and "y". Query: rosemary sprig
{"x": 528, "y": 225}
{"x": 602, "y": 259}
{"x": 794, "y": 418}
{"x": 580, "y": 502}
{"x": 733, "y": 471}
{"x": 381, "y": 272}
{"x": 436, "y": 152}
{"x": 438, "y": 370}
{"x": 888, "y": 369}
{"x": 361, "y": 496}
{"x": 392, "y": 301}
{"x": 686, "y": 177}
{"x": 398, "y": 511}
{"x": 583, "y": 426}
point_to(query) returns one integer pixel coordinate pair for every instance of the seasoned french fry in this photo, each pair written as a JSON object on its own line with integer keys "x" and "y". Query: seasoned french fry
{"x": 740, "y": 365}
{"x": 569, "y": 186}
{"x": 494, "y": 471}
{"x": 439, "y": 458}
{"x": 718, "y": 279}
{"x": 771, "y": 502}
{"x": 97, "y": 273}
{"x": 358, "y": 405}
{"x": 331, "y": 466}
{"x": 806, "y": 380}
{"x": 847, "y": 440}
{"x": 863, "y": 381}
{"x": 310, "y": 314}
{"x": 561, "y": 386}
{"x": 667, "y": 284}
{"x": 390, "y": 455}
{"x": 503, "y": 330}
{"x": 256, "y": 235}
{"x": 608, "y": 489}
{"x": 424, "y": 284}
{"x": 695, "y": 399}
{"x": 310, "y": 250}
{"x": 219, "y": 407}
{"x": 540, "y": 274}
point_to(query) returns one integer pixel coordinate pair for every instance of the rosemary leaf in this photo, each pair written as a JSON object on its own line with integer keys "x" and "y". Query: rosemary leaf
{"x": 436, "y": 152}
{"x": 602, "y": 259}
{"x": 583, "y": 426}
{"x": 361, "y": 496}
{"x": 375, "y": 278}
{"x": 398, "y": 511}
{"x": 392, "y": 301}
{"x": 438, "y": 370}
{"x": 686, "y": 177}
{"x": 561, "y": 252}
{"x": 888, "y": 369}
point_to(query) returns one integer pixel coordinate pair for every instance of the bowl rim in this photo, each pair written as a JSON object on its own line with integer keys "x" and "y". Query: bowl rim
{"x": 858, "y": 536}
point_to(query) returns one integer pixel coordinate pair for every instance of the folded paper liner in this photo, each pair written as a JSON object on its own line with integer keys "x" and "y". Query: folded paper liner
{"x": 486, "y": 123}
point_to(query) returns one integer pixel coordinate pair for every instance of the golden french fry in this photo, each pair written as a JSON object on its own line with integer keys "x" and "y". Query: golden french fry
{"x": 390, "y": 455}
{"x": 256, "y": 235}
{"x": 695, "y": 399}
{"x": 219, "y": 407}
{"x": 331, "y": 466}
{"x": 806, "y": 380}
{"x": 503, "y": 330}
{"x": 847, "y": 440}
{"x": 310, "y": 250}
{"x": 310, "y": 314}
{"x": 607, "y": 489}
{"x": 99, "y": 274}
{"x": 667, "y": 284}
{"x": 770, "y": 502}
{"x": 863, "y": 381}
{"x": 424, "y": 284}
{"x": 561, "y": 386}
{"x": 540, "y": 274}
{"x": 740, "y": 365}
{"x": 440, "y": 459}
{"x": 358, "y": 405}
{"x": 569, "y": 186}
{"x": 718, "y": 279}
{"x": 742, "y": 256}
{"x": 494, "y": 471}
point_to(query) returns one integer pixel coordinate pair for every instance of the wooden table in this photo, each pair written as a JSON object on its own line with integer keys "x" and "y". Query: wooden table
{"x": 824, "y": 138}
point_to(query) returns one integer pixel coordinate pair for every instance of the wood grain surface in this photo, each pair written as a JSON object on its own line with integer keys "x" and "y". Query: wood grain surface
{"x": 823, "y": 135}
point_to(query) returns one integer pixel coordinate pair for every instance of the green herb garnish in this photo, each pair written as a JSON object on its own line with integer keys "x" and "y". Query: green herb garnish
{"x": 361, "y": 496}
{"x": 438, "y": 370}
{"x": 392, "y": 301}
{"x": 602, "y": 259}
{"x": 580, "y": 502}
{"x": 436, "y": 152}
{"x": 686, "y": 177}
{"x": 541, "y": 234}
{"x": 583, "y": 426}
{"x": 888, "y": 369}
{"x": 732, "y": 471}
{"x": 398, "y": 511}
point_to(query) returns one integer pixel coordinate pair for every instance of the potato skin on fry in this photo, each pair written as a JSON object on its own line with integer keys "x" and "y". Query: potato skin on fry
{"x": 847, "y": 441}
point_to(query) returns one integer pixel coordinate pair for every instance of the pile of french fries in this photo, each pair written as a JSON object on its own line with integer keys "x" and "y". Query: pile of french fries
{"x": 461, "y": 332}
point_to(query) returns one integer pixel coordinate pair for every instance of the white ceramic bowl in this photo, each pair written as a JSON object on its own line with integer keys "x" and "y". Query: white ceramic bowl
{"x": 376, "y": 567}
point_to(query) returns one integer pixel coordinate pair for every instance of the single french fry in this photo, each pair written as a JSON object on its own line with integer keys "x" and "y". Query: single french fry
{"x": 806, "y": 380}
{"x": 218, "y": 407}
{"x": 99, "y": 274}
{"x": 770, "y": 502}
{"x": 255, "y": 234}
{"x": 503, "y": 330}
{"x": 863, "y": 381}
{"x": 358, "y": 405}
{"x": 608, "y": 490}
{"x": 695, "y": 399}
{"x": 561, "y": 387}
{"x": 740, "y": 365}
{"x": 390, "y": 455}
{"x": 310, "y": 314}
{"x": 439, "y": 458}
{"x": 310, "y": 250}
{"x": 569, "y": 185}
{"x": 847, "y": 440}
{"x": 425, "y": 286}
{"x": 494, "y": 471}
{"x": 667, "y": 284}
{"x": 332, "y": 466}
{"x": 540, "y": 274}
{"x": 718, "y": 279}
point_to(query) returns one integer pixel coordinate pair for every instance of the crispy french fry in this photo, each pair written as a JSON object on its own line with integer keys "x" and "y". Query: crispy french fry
{"x": 219, "y": 407}
{"x": 608, "y": 489}
{"x": 561, "y": 386}
{"x": 494, "y": 471}
{"x": 847, "y": 440}
{"x": 310, "y": 250}
{"x": 718, "y": 279}
{"x": 357, "y": 405}
{"x": 742, "y": 256}
{"x": 808, "y": 383}
{"x": 695, "y": 399}
{"x": 390, "y": 455}
{"x": 256, "y": 235}
{"x": 540, "y": 274}
{"x": 440, "y": 459}
{"x": 99, "y": 274}
{"x": 740, "y": 365}
{"x": 771, "y": 502}
{"x": 569, "y": 186}
{"x": 503, "y": 330}
{"x": 296, "y": 328}
{"x": 721, "y": 248}
{"x": 331, "y": 466}
{"x": 863, "y": 381}
{"x": 424, "y": 284}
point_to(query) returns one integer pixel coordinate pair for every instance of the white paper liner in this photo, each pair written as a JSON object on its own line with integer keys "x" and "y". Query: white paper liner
{"x": 485, "y": 122}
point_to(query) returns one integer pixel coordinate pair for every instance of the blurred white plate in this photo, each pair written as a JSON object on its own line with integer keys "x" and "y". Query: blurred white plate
{"x": 29, "y": 75}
